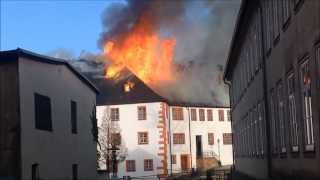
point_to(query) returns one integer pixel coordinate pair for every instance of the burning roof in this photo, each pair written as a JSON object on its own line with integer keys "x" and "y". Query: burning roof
{"x": 129, "y": 89}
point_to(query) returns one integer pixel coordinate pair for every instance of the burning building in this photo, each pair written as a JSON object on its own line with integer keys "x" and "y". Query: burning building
{"x": 160, "y": 136}
{"x": 46, "y": 119}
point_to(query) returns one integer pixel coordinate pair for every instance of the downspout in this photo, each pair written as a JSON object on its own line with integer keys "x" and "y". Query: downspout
{"x": 170, "y": 151}
{"x": 265, "y": 95}
{"x": 188, "y": 108}
{"x": 231, "y": 121}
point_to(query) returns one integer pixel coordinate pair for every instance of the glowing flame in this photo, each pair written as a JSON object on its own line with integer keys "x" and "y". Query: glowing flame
{"x": 128, "y": 86}
{"x": 143, "y": 52}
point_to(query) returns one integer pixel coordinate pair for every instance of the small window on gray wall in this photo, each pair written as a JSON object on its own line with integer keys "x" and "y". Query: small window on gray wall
{"x": 42, "y": 112}
{"x": 74, "y": 129}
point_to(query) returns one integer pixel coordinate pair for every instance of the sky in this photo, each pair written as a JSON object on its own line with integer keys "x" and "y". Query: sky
{"x": 43, "y": 26}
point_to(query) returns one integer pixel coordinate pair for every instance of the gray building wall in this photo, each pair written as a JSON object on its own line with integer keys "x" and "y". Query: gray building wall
{"x": 286, "y": 42}
{"x": 9, "y": 120}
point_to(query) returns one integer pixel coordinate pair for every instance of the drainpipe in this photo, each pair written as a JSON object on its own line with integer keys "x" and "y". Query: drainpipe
{"x": 170, "y": 150}
{"x": 265, "y": 95}
{"x": 188, "y": 108}
{"x": 231, "y": 122}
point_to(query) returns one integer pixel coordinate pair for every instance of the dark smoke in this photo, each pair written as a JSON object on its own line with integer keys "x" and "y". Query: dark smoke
{"x": 203, "y": 29}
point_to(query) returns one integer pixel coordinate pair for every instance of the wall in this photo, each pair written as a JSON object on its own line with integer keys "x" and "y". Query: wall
{"x": 201, "y": 128}
{"x": 56, "y": 151}
{"x": 129, "y": 128}
{"x": 9, "y": 120}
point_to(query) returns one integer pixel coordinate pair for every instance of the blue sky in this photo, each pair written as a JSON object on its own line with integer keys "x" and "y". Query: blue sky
{"x": 44, "y": 26}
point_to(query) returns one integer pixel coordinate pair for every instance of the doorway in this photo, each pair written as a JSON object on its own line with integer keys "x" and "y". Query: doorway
{"x": 184, "y": 162}
{"x": 199, "y": 150}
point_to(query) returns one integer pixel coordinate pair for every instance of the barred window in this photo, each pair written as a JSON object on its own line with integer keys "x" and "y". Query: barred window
{"x": 294, "y": 139}
{"x": 210, "y": 138}
{"x": 305, "y": 83}
{"x": 114, "y": 114}
{"x": 201, "y": 115}
{"x": 142, "y": 113}
{"x": 177, "y": 113}
{"x": 148, "y": 165}
{"x": 178, "y": 138}
{"x": 281, "y": 113}
{"x": 131, "y": 165}
{"x": 227, "y": 138}
{"x": 221, "y": 115}
{"x": 193, "y": 114}
{"x": 209, "y": 115}
{"x": 143, "y": 138}
{"x": 115, "y": 139}
{"x": 229, "y": 115}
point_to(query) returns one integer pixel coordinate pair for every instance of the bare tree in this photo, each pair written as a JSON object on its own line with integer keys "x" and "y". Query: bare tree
{"x": 110, "y": 137}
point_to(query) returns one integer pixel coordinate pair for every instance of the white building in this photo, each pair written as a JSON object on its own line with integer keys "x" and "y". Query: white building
{"x": 163, "y": 137}
{"x": 45, "y": 119}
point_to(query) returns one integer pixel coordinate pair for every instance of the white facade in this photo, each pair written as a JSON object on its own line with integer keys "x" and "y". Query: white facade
{"x": 160, "y": 127}
{"x": 56, "y": 151}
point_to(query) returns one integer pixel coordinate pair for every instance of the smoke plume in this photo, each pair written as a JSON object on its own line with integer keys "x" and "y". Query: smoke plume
{"x": 203, "y": 31}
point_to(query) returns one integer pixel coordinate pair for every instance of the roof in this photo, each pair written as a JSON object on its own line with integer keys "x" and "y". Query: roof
{"x": 113, "y": 93}
{"x": 45, "y": 59}
{"x": 229, "y": 64}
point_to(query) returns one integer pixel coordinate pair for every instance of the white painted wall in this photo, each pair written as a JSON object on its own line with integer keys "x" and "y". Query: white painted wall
{"x": 130, "y": 125}
{"x": 56, "y": 151}
{"x": 201, "y": 128}
{"x": 129, "y": 128}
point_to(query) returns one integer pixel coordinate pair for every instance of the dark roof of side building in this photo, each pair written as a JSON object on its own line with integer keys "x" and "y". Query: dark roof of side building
{"x": 112, "y": 92}
{"x": 14, "y": 54}
{"x": 239, "y": 22}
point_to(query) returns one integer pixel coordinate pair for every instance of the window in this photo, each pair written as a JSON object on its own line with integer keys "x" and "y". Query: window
{"x": 201, "y": 115}
{"x": 174, "y": 159}
{"x": 228, "y": 115}
{"x": 227, "y": 138}
{"x": 273, "y": 123}
{"x": 148, "y": 165}
{"x": 210, "y": 138}
{"x": 131, "y": 165}
{"x": 74, "y": 172}
{"x": 177, "y": 113}
{"x": 209, "y": 115}
{"x": 73, "y": 117}
{"x": 305, "y": 83}
{"x": 193, "y": 114}
{"x": 142, "y": 113}
{"x": 143, "y": 138}
{"x": 221, "y": 115}
{"x": 281, "y": 113}
{"x": 294, "y": 139}
{"x": 115, "y": 139}
{"x": 178, "y": 138}
{"x": 318, "y": 62}
{"x": 35, "y": 172}
{"x": 114, "y": 114}
{"x": 42, "y": 112}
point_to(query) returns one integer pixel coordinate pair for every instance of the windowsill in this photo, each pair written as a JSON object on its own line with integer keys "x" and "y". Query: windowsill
{"x": 309, "y": 148}
{"x": 295, "y": 149}
{"x": 283, "y": 150}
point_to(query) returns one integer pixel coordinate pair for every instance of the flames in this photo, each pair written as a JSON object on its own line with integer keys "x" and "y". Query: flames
{"x": 143, "y": 52}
